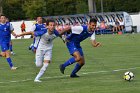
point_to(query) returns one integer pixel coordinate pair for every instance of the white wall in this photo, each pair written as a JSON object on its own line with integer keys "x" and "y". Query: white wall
{"x": 17, "y": 28}
{"x": 136, "y": 21}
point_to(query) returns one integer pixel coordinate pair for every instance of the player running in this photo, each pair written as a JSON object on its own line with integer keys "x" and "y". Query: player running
{"x": 6, "y": 29}
{"x": 44, "y": 48}
{"x": 78, "y": 34}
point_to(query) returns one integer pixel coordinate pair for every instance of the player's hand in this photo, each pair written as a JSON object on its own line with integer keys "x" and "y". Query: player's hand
{"x": 18, "y": 35}
{"x": 97, "y": 44}
{"x": 15, "y": 35}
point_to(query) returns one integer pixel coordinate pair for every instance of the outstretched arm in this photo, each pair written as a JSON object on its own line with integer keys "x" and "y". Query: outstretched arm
{"x": 26, "y": 33}
{"x": 14, "y": 34}
{"x": 95, "y": 44}
{"x": 34, "y": 33}
{"x": 66, "y": 29}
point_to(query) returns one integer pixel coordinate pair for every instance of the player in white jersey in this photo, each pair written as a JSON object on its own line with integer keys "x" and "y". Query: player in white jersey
{"x": 44, "y": 49}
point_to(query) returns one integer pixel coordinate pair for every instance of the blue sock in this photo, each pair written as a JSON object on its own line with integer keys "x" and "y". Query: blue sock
{"x": 11, "y": 48}
{"x": 69, "y": 62}
{"x": 10, "y": 62}
{"x": 76, "y": 69}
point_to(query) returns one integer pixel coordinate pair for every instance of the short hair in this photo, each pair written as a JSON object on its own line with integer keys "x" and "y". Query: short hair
{"x": 49, "y": 20}
{"x": 2, "y": 15}
{"x": 93, "y": 20}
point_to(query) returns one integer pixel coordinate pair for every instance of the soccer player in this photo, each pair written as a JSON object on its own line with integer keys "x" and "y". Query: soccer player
{"x": 10, "y": 44}
{"x": 35, "y": 28}
{"x": 6, "y": 29}
{"x": 44, "y": 48}
{"x": 78, "y": 34}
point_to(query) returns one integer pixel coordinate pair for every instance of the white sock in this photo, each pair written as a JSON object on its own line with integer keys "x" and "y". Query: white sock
{"x": 42, "y": 70}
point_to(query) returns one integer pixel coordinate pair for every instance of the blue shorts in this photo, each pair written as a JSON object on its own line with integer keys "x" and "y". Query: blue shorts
{"x": 73, "y": 47}
{"x": 5, "y": 47}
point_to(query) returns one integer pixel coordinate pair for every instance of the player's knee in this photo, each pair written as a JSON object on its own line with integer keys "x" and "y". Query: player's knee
{"x": 3, "y": 54}
{"x": 83, "y": 63}
{"x": 78, "y": 58}
{"x": 38, "y": 64}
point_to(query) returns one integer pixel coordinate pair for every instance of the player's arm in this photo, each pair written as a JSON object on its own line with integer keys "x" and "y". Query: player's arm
{"x": 26, "y": 33}
{"x": 66, "y": 29}
{"x": 31, "y": 32}
{"x": 41, "y": 32}
{"x": 14, "y": 34}
{"x": 94, "y": 42}
{"x": 12, "y": 30}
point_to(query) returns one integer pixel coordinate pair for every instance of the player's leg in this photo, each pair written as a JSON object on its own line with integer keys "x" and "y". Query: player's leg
{"x": 6, "y": 53}
{"x": 79, "y": 64}
{"x": 39, "y": 58}
{"x": 47, "y": 57}
{"x": 11, "y": 48}
{"x": 72, "y": 48}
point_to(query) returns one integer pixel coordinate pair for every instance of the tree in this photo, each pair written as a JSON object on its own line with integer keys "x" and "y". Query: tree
{"x": 60, "y": 7}
{"x": 34, "y": 8}
{"x": 13, "y": 9}
{"x": 81, "y": 6}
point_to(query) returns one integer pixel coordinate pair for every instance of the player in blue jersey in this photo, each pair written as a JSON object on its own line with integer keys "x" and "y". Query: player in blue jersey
{"x": 10, "y": 44}
{"x": 6, "y": 29}
{"x": 35, "y": 28}
{"x": 78, "y": 34}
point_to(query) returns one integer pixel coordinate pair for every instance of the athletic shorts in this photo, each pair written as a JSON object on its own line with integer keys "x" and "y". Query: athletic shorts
{"x": 5, "y": 47}
{"x": 42, "y": 55}
{"x": 73, "y": 47}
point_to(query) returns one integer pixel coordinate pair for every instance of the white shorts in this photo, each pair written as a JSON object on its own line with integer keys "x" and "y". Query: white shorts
{"x": 42, "y": 55}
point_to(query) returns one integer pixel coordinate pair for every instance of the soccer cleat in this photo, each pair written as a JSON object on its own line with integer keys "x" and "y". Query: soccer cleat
{"x": 12, "y": 53}
{"x": 74, "y": 76}
{"x": 62, "y": 69}
{"x": 29, "y": 48}
{"x": 38, "y": 81}
{"x": 14, "y": 68}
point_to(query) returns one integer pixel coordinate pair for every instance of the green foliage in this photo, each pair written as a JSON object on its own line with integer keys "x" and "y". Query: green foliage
{"x": 60, "y": 7}
{"x": 13, "y": 9}
{"x": 34, "y": 8}
{"x": 119, "y": 5}
{"x": 23, "y": 9}
{"x": 81, "y": 6}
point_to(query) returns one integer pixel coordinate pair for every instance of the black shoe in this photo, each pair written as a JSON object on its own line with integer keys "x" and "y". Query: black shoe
{"x": 74, "y": 76}
{"x": 29, "y": 48}
{"x": 62, "y": 68}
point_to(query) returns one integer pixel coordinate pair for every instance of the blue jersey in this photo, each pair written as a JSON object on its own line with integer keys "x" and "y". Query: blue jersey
{"x": 80, "y": 33}
{"x": 37, "y": 28}
{"x": 43, "y": 31}
{"x": 5, "y": 32}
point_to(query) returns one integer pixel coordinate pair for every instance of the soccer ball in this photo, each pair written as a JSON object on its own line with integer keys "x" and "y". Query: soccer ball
{"x": 128, "y": 76}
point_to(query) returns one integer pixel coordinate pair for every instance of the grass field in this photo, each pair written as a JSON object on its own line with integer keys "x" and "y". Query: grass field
{"x": 102, "y": 72}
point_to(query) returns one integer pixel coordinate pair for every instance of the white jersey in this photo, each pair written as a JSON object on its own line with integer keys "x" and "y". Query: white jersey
{"x": 45, "y": 41}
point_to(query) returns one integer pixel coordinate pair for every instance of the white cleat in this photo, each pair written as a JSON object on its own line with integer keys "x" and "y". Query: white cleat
{"x": 12, "y": 53}
{"x": 14, "y": 68}
{"x": 37, "y": 81}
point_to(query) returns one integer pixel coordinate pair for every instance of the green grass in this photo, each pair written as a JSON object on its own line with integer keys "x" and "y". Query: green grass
{"x": 116, "y": 52}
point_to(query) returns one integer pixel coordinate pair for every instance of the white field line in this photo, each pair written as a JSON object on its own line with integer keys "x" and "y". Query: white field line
{"x": 117, "y": 70}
